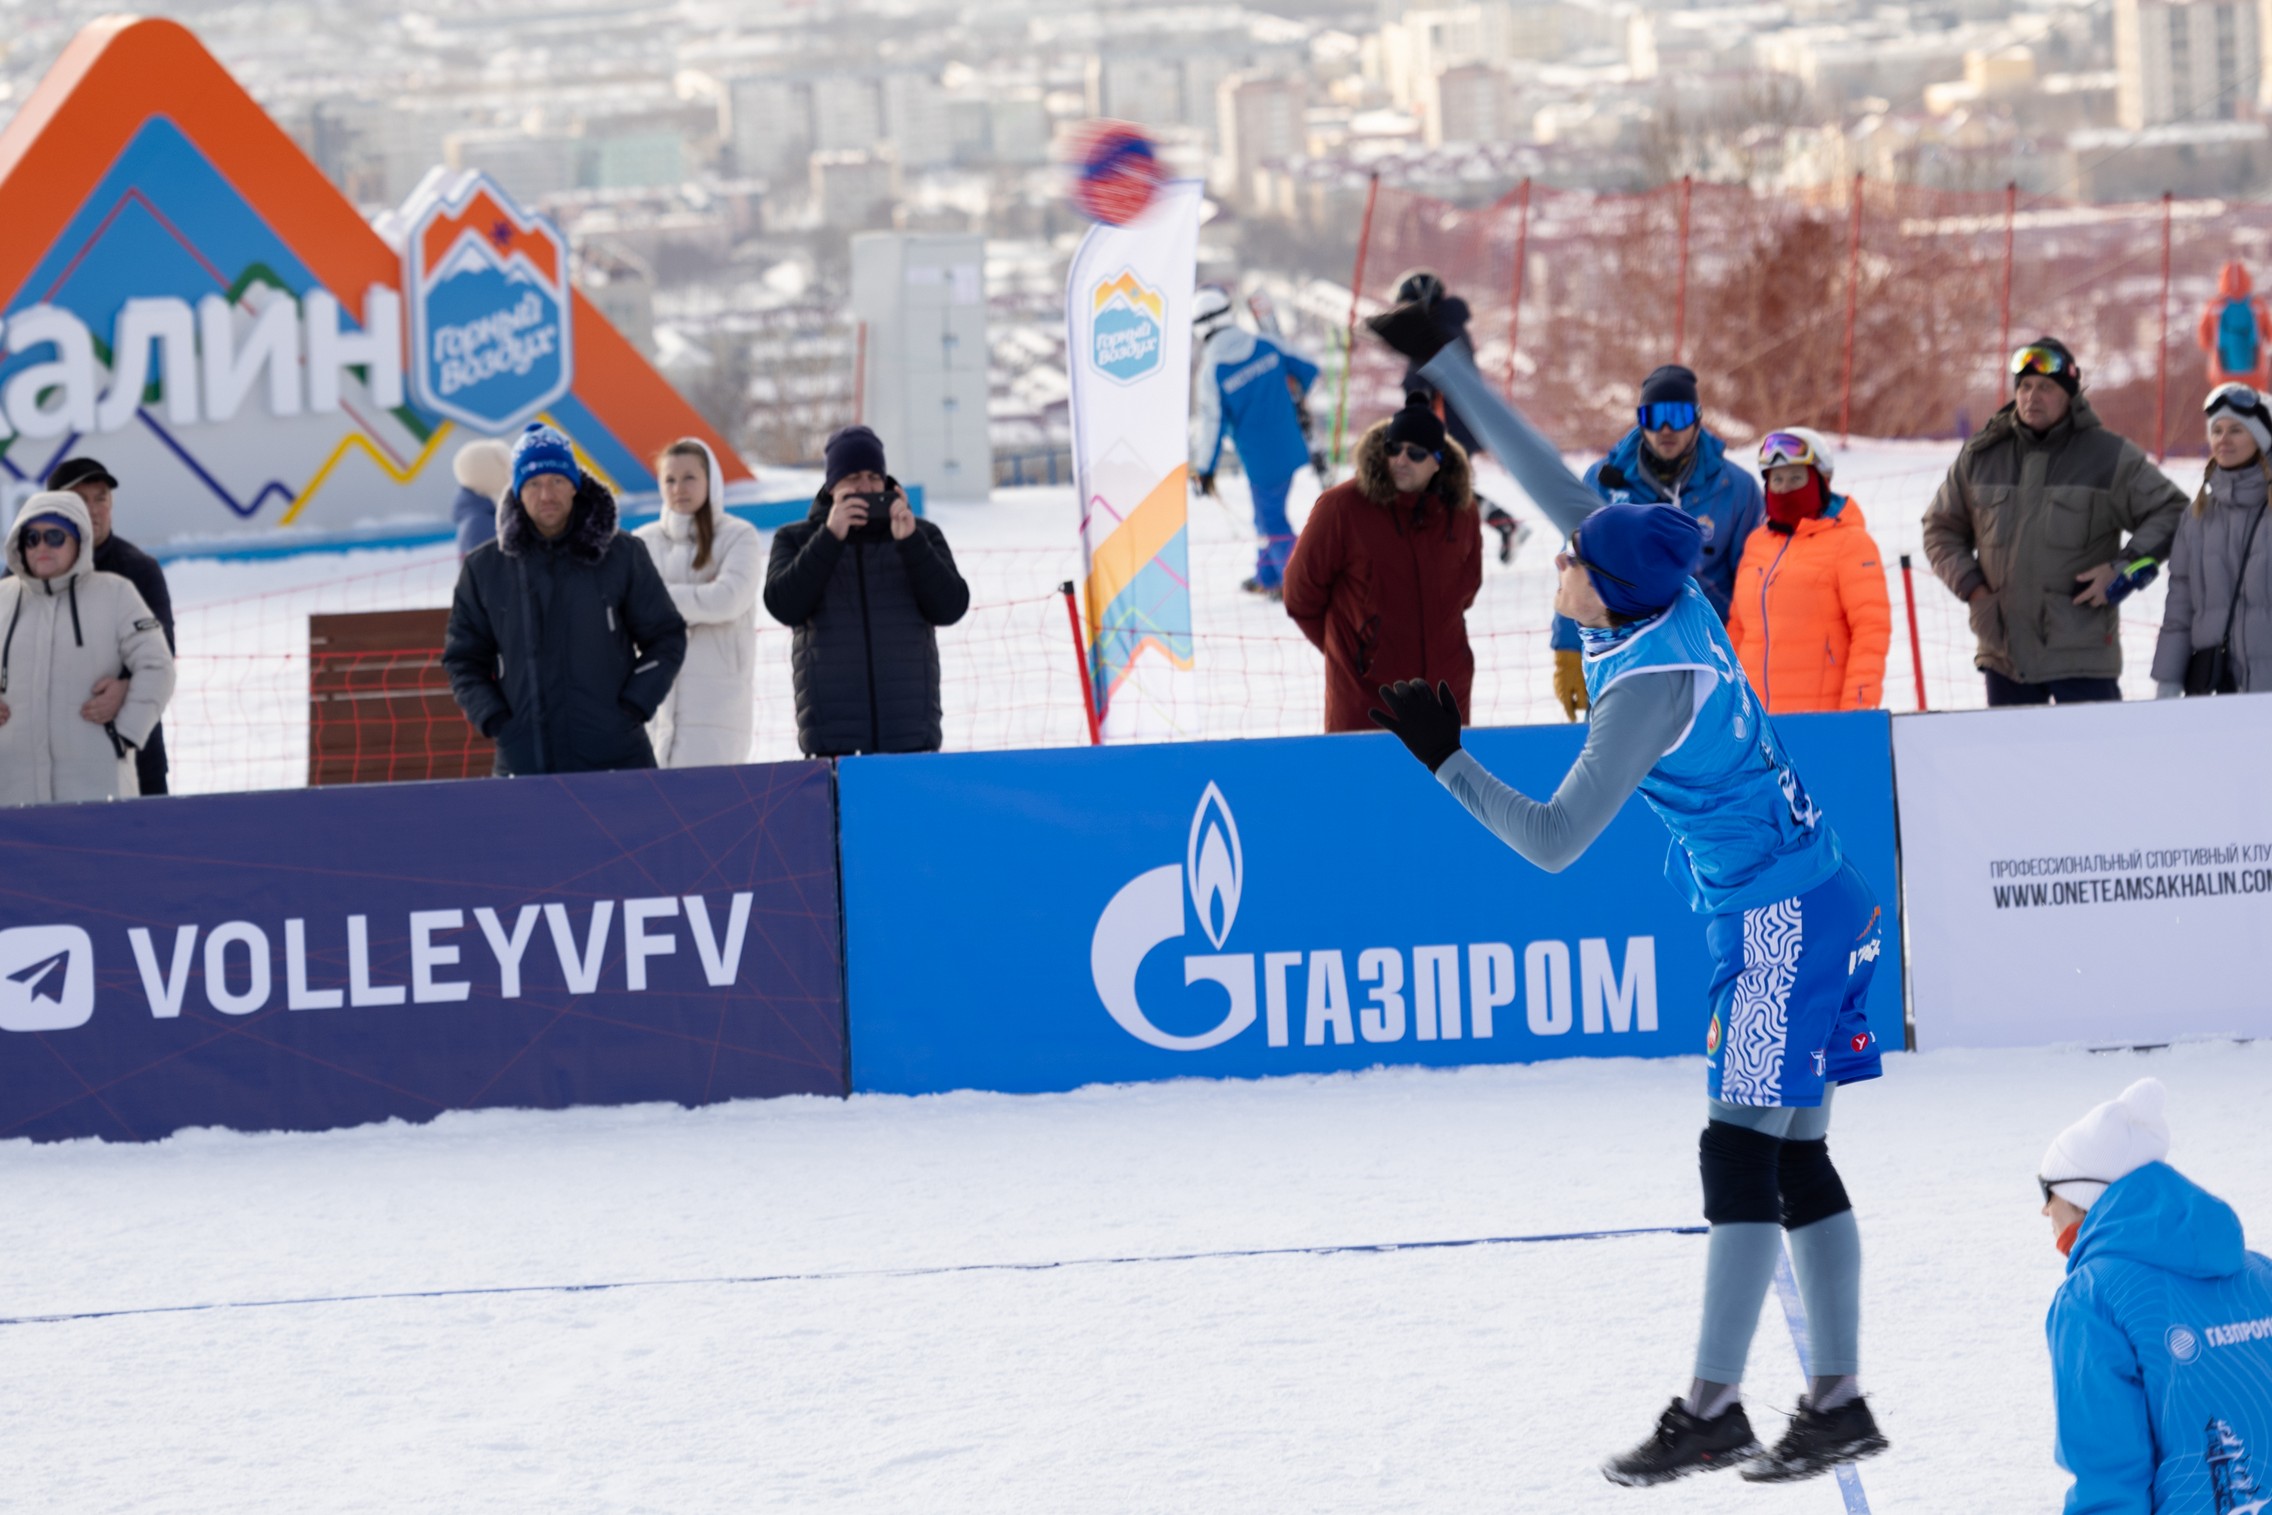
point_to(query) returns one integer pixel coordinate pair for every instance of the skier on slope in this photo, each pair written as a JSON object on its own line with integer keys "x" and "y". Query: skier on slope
{"x": 1793, "y": 930}
{"x": 1243, "y": 398}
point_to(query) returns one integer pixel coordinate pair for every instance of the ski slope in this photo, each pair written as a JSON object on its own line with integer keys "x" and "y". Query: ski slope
{"x": 1483, "y": 1377}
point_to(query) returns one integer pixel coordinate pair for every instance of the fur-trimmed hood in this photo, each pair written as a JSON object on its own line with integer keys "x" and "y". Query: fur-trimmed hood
{"x": 1454, "y": 483}
{"x": 591, "y": 524}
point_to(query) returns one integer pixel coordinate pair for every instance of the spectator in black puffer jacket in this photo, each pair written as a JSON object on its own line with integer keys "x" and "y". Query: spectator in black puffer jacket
{"x": 866, "y": 584}
{"x": 562, "y": 637}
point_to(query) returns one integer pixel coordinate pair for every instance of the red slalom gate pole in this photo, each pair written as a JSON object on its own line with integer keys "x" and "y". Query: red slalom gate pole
{"x": 1515, "y": 295}
{"x": 1680, "y": 300}
{"x": 1356, "y": 292}
{"x": 2161, "y": 352}
{"x": 2011, "y": 217}
{"x": 1853, "y": 297}
{"x": 1916, "y": 643}
{"x": 1081, "y": 662}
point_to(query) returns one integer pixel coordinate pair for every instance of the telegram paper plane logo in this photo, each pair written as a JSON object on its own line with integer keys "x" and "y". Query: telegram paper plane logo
{"x": 47, "y": 978}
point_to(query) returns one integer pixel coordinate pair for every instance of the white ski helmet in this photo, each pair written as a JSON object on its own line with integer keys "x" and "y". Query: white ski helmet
{"x": 1210, "y": 308}
{"x": 1797, "y": 444}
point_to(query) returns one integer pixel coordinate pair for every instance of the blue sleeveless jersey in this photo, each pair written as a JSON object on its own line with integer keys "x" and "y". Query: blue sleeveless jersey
{"x": 1744, "y": 833}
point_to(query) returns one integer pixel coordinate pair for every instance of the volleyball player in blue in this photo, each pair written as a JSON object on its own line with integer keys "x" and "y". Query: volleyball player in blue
{"x": 1793, "y": 930}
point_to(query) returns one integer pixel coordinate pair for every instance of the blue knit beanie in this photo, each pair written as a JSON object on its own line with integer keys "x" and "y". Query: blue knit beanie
{"x": 1639, "y": 556}
{"x": 540, "y": 449}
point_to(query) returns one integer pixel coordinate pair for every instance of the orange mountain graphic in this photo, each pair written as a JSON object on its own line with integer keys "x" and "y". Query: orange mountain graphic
{"x": 497, "y": 226}
{"x": 1124, "y": 285}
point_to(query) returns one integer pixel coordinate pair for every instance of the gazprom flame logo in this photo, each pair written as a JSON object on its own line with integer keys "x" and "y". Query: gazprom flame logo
{"x": 1148, "y": 911}
{"x": 1125, "y": 328}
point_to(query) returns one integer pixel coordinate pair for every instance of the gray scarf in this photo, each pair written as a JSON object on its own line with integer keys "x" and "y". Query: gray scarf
{"x": 2243, "y": 486}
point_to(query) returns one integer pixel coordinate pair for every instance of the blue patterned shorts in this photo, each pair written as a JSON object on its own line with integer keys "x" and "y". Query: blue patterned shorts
{"x": 1789, "y": 983}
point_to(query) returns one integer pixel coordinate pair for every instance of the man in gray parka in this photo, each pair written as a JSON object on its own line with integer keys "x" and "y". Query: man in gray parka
{"x": 2028, "y": 529}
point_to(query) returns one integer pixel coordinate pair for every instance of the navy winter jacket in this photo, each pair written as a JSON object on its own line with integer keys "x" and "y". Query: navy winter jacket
{"x": 559, "y": 650}
{"x": 865, "y": 658}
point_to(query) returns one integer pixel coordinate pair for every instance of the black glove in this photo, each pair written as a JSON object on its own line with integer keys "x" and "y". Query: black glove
{"x": 1206, "y": 483}
{"x": 1610, "y": 476}
{"x": 1426, "y": 723}
{"x": 1411, "y": 329}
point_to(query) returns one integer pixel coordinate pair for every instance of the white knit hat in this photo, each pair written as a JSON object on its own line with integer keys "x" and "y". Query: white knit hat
{"x": 2114, "y": 1140}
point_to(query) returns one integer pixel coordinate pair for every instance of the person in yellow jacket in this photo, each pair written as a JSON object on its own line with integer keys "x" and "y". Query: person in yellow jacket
{"x": 1809, "y": 616}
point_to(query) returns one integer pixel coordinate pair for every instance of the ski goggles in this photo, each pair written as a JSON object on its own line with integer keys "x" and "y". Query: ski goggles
{"x": 45, "y": 536}
{"x": 1781, "y": 448}
{"x": 2046, "y": 1185}
{"x": 1667, "y": 415}
{"x": 1571, "y": 554}
{"x": 2239, "y": 400}
{"x": 2037, "y": 358}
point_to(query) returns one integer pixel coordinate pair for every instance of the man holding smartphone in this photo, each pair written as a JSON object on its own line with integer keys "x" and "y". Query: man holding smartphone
{"x": 865, "y": 583}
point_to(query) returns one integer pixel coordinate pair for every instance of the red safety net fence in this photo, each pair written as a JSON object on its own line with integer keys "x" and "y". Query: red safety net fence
{"x": 1883, "y": 311}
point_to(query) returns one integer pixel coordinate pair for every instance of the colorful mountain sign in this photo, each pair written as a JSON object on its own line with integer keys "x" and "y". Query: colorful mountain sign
{"x": 491, "y": 341}
{"x": 188, "y": 298}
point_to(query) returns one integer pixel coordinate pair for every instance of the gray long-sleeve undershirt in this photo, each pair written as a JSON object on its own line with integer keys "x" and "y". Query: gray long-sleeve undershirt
{"x": 1508, "y": 436}
{"x": 1635, "y": 721}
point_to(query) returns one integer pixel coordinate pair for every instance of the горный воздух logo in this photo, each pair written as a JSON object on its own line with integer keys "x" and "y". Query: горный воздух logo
{"x": 1126, "y": 325}
{"x": 491, "y": 309}
{"x": 47, "y": 978}
{"x": 1400, "y": 992}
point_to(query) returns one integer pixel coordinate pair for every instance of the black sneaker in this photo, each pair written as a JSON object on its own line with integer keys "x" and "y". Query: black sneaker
{"x": 1411, "y": 330}
{"x": 1818, "y": 1441}
{"x": 1267, "y": 591}
{"x": 1683, "y": 1444}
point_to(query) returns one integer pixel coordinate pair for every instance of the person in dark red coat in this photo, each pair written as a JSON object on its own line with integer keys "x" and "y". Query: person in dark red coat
{"x": 1387, "y": 565}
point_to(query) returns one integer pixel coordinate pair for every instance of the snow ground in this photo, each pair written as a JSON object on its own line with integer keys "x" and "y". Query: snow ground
{"x": 239, "y": 718}
{"x": 1485, "y": 1377}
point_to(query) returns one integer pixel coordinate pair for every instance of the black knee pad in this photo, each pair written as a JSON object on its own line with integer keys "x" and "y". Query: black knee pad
{"x": 1810, "y": 1185}
{"x": 1740, "y": 1174}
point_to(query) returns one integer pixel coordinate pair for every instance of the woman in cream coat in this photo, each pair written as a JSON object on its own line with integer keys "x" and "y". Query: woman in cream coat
{"x": 84, "y": 670}
{"x": 713, "y": 566}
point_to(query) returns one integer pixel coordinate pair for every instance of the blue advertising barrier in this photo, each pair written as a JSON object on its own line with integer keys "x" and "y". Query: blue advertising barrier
{"x": 333, "y": 956}
{"x": 1040, "y": 920}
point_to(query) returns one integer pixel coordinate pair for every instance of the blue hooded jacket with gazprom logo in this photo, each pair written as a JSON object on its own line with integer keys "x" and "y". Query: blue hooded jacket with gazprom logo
{"x": 1242, "y": 397}
{"x": 2161, "y": 1355}
{"x": 1744, "y": 832}
{"x": 1723, "y": 497}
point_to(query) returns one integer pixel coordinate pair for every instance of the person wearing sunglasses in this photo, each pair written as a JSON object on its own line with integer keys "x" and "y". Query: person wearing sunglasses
{"x": 65, "y": 629}
{"x": 1810, "y": 617}
{"x": 1793, "y": 930}
{"x": 1670, "y": 456}
{"x": 2161, "y": 1332}
{"x": 2217, "y": 622}
{"x": 1453, "y": 314}
{"x": 1388, "y": 564}
{"x": 2028, "y": 530}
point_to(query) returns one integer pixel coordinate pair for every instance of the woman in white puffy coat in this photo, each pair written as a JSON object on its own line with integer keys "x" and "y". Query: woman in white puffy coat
{"x": 84, "y": 670}
{"x": 713, "y": 566}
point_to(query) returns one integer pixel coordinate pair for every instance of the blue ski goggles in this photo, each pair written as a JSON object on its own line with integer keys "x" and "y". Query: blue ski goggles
{"x": 1667, "y": 415}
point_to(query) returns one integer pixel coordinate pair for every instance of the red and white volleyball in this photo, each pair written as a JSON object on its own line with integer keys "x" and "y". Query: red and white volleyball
{"x": 1116, "y": 171}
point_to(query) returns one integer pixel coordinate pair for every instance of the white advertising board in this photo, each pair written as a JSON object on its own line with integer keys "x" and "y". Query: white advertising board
{"x": 2099, "y": 874}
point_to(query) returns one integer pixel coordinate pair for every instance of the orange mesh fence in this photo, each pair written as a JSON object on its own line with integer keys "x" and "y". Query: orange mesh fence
{"x": 1762, "y": 294}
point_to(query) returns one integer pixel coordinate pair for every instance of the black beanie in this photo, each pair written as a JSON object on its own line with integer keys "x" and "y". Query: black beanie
{"x": 2071, "y": 380}
{"x": 1668, "y": 385}
{"x": 1417, "y": 422}
{"x": 855, "y": 449}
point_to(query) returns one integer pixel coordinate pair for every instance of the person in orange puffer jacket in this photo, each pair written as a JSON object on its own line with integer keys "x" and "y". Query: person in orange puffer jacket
{"x": 1809, "y": 616}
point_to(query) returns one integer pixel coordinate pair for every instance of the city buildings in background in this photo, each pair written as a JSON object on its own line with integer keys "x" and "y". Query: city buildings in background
{"x": 712, "y": 160}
